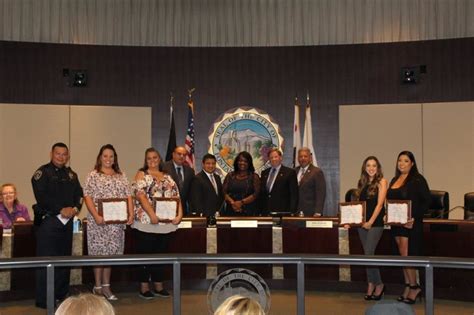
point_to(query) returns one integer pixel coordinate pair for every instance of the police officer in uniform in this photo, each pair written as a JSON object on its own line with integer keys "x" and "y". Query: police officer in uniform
{"x": 58, "y": 195}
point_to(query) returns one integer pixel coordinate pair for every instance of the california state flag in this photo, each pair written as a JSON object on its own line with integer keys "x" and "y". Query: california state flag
{"x": 308, "y": 131}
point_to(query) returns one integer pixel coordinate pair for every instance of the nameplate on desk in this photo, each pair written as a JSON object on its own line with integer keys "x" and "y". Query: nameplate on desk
{"x": 243, "y": 223}
{"x": 319, "y": 224}
{"x": 185, "y": 225}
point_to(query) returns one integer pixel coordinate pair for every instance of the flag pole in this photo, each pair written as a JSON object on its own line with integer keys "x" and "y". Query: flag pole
{"x": 172, "y": 133}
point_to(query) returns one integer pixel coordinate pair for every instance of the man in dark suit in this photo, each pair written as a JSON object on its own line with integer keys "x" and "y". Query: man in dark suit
{"x": 206, "y": 194}
{"x": 182, "y": 174}
{"x": 279, "y": 186}
{"x": 311, "y": 184}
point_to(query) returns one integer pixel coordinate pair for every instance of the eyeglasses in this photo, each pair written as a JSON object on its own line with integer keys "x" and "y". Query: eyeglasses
{"x": 8, "y": 193}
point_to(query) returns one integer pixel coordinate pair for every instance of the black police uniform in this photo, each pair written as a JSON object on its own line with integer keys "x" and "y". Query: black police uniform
{"x": 54, "y": 188}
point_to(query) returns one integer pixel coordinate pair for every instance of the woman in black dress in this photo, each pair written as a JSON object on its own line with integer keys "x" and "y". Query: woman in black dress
{"x": 241, "y": 187}
{"x": 409, "y": 184}
{"x": 372, "y": 188}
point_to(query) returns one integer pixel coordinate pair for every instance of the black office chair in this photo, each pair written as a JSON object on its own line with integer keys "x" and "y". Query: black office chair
{"x": 439, "y": 205}
{"x": 469, "y": 206}
{"x": 350, "y": 195}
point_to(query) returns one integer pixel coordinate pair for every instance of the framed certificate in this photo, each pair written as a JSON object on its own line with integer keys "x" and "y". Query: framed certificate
{"x": 398, "y": 212}
{"x": 114, "y": 210}
{"x": 166, "y": 208}
{"x": 352, "y": 213}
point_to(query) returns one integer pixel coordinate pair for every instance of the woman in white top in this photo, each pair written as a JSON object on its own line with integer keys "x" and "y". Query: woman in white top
{"x": 151, "y": 232}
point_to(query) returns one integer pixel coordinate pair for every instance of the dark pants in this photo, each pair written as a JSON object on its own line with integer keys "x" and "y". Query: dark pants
{"x": 151, "y": 243}
{"x": 53, "y": 239}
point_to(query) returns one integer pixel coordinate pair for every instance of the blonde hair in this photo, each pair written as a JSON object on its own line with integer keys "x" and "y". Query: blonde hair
{"x": 239, "y": 305}
{"x": 85, "y": 304}
{"x": 14, "y": 188}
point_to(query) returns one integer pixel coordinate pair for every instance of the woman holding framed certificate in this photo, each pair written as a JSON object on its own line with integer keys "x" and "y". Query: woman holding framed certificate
{"x": 372, "y": 188}
{"x": 409, "y": 185}
{"x": 109, "y": 201}
{"x": 158, "y": 212}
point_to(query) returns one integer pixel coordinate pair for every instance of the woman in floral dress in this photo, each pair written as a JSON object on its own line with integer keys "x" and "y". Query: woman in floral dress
{"x": 105, "y": 181}
{"x": 152, "y": 233}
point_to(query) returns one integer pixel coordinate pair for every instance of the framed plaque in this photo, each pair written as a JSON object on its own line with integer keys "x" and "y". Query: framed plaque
{"x": 352, "y": 213}
{"x": 398, "y": 212}
{"x": 166, "y": 209}
{"x": 114, "y": 210}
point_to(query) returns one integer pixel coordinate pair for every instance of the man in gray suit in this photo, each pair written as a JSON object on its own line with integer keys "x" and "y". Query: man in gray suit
{"x": 311, "y": 185}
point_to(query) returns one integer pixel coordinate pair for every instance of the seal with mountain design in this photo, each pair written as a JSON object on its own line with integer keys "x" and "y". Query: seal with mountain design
{"x": 244, "y": 129}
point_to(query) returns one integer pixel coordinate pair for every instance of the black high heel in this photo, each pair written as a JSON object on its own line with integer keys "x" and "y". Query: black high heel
{"x": 378, "y": 297}
{"x": 401, "y": 297}
{"x": 368, "y": 297}
{"x": 407, "y": 300}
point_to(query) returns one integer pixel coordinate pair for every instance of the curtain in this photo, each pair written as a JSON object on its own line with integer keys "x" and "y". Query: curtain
{"x": 234, "y": 23}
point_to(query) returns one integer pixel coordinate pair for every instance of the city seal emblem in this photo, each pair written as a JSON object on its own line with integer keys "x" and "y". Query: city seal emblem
{"x": 244, "y": 129}
{"x": 238, "y": 281}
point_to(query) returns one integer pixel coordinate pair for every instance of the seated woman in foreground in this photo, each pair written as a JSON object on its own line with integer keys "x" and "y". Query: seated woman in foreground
{"x": 11, "y": 210}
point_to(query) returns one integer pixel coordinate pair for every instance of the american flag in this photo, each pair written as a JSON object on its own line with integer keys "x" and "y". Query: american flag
{"x": 189, "y": 142}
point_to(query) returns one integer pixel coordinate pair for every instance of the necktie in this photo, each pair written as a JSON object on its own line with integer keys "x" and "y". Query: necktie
{"x": 213, "y": 182}
{"x": 270, "y": 179}
{"x": 180, "y": 176}
{"x": 300, "y": 174}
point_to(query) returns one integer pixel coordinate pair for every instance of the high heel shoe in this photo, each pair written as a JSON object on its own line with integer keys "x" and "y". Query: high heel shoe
{"x": 97, "y": 290}
{"x": 378, "y": 297}
{"x": 368, "y": 297}
{"x": 109, "y": 296}
{"x": 403, "y": 297}
{"x": 408, "y": 300}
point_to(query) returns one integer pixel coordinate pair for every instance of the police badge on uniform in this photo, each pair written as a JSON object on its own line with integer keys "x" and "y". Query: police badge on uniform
{"x": 38, "y": 174}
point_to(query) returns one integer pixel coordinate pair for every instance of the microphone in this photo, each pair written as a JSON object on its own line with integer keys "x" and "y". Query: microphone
{"x": 447, "y": 212}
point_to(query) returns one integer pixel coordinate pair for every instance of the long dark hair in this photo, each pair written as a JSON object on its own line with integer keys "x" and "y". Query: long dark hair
{"x": 145, "y": 165}
{"x": 365, "y": 178}
{"x": 98, "y": 162}
{"x": 413, "y": 171}
{"x": 248, "y": 157}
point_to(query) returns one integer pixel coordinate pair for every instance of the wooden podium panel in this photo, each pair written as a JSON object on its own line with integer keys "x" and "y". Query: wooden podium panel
{"x": 248, "y": 240}
{"x": 24, "y": 245}
{"x": 299, "y": 239}
{"x": 189, "y": 241}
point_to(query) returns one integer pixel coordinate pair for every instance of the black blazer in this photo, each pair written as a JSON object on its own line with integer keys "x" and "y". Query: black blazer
{"x": 284, "y": 194}
{"x": 203, "y": 197}
{"x": 168, "y": 167}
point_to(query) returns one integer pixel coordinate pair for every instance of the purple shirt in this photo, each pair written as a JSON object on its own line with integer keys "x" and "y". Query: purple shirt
{"x": 19, "y": 211}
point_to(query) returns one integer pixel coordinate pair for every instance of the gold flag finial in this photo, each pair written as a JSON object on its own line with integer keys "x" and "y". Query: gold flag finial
{"x": 190, "y": 92}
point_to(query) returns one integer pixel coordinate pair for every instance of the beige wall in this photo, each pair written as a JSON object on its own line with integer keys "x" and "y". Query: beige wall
{"x": 440, "y": 135}
{"x": 448, "y": 144}
{"x": 29, "y": 131}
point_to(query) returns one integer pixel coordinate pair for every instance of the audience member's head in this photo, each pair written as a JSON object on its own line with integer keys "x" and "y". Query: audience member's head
{"x": 85, "y": 304}
{"x": 239, "y": 305}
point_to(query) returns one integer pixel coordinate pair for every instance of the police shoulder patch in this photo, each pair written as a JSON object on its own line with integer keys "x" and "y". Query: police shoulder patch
{"x": 38, "y": 174}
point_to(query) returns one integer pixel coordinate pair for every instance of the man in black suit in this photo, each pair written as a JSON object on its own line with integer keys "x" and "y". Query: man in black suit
{"x": 311, "y": 184}
{"x": 206, "y": 194}
{"x": 279, "y": 186}
{"x": 182, "y": 174}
